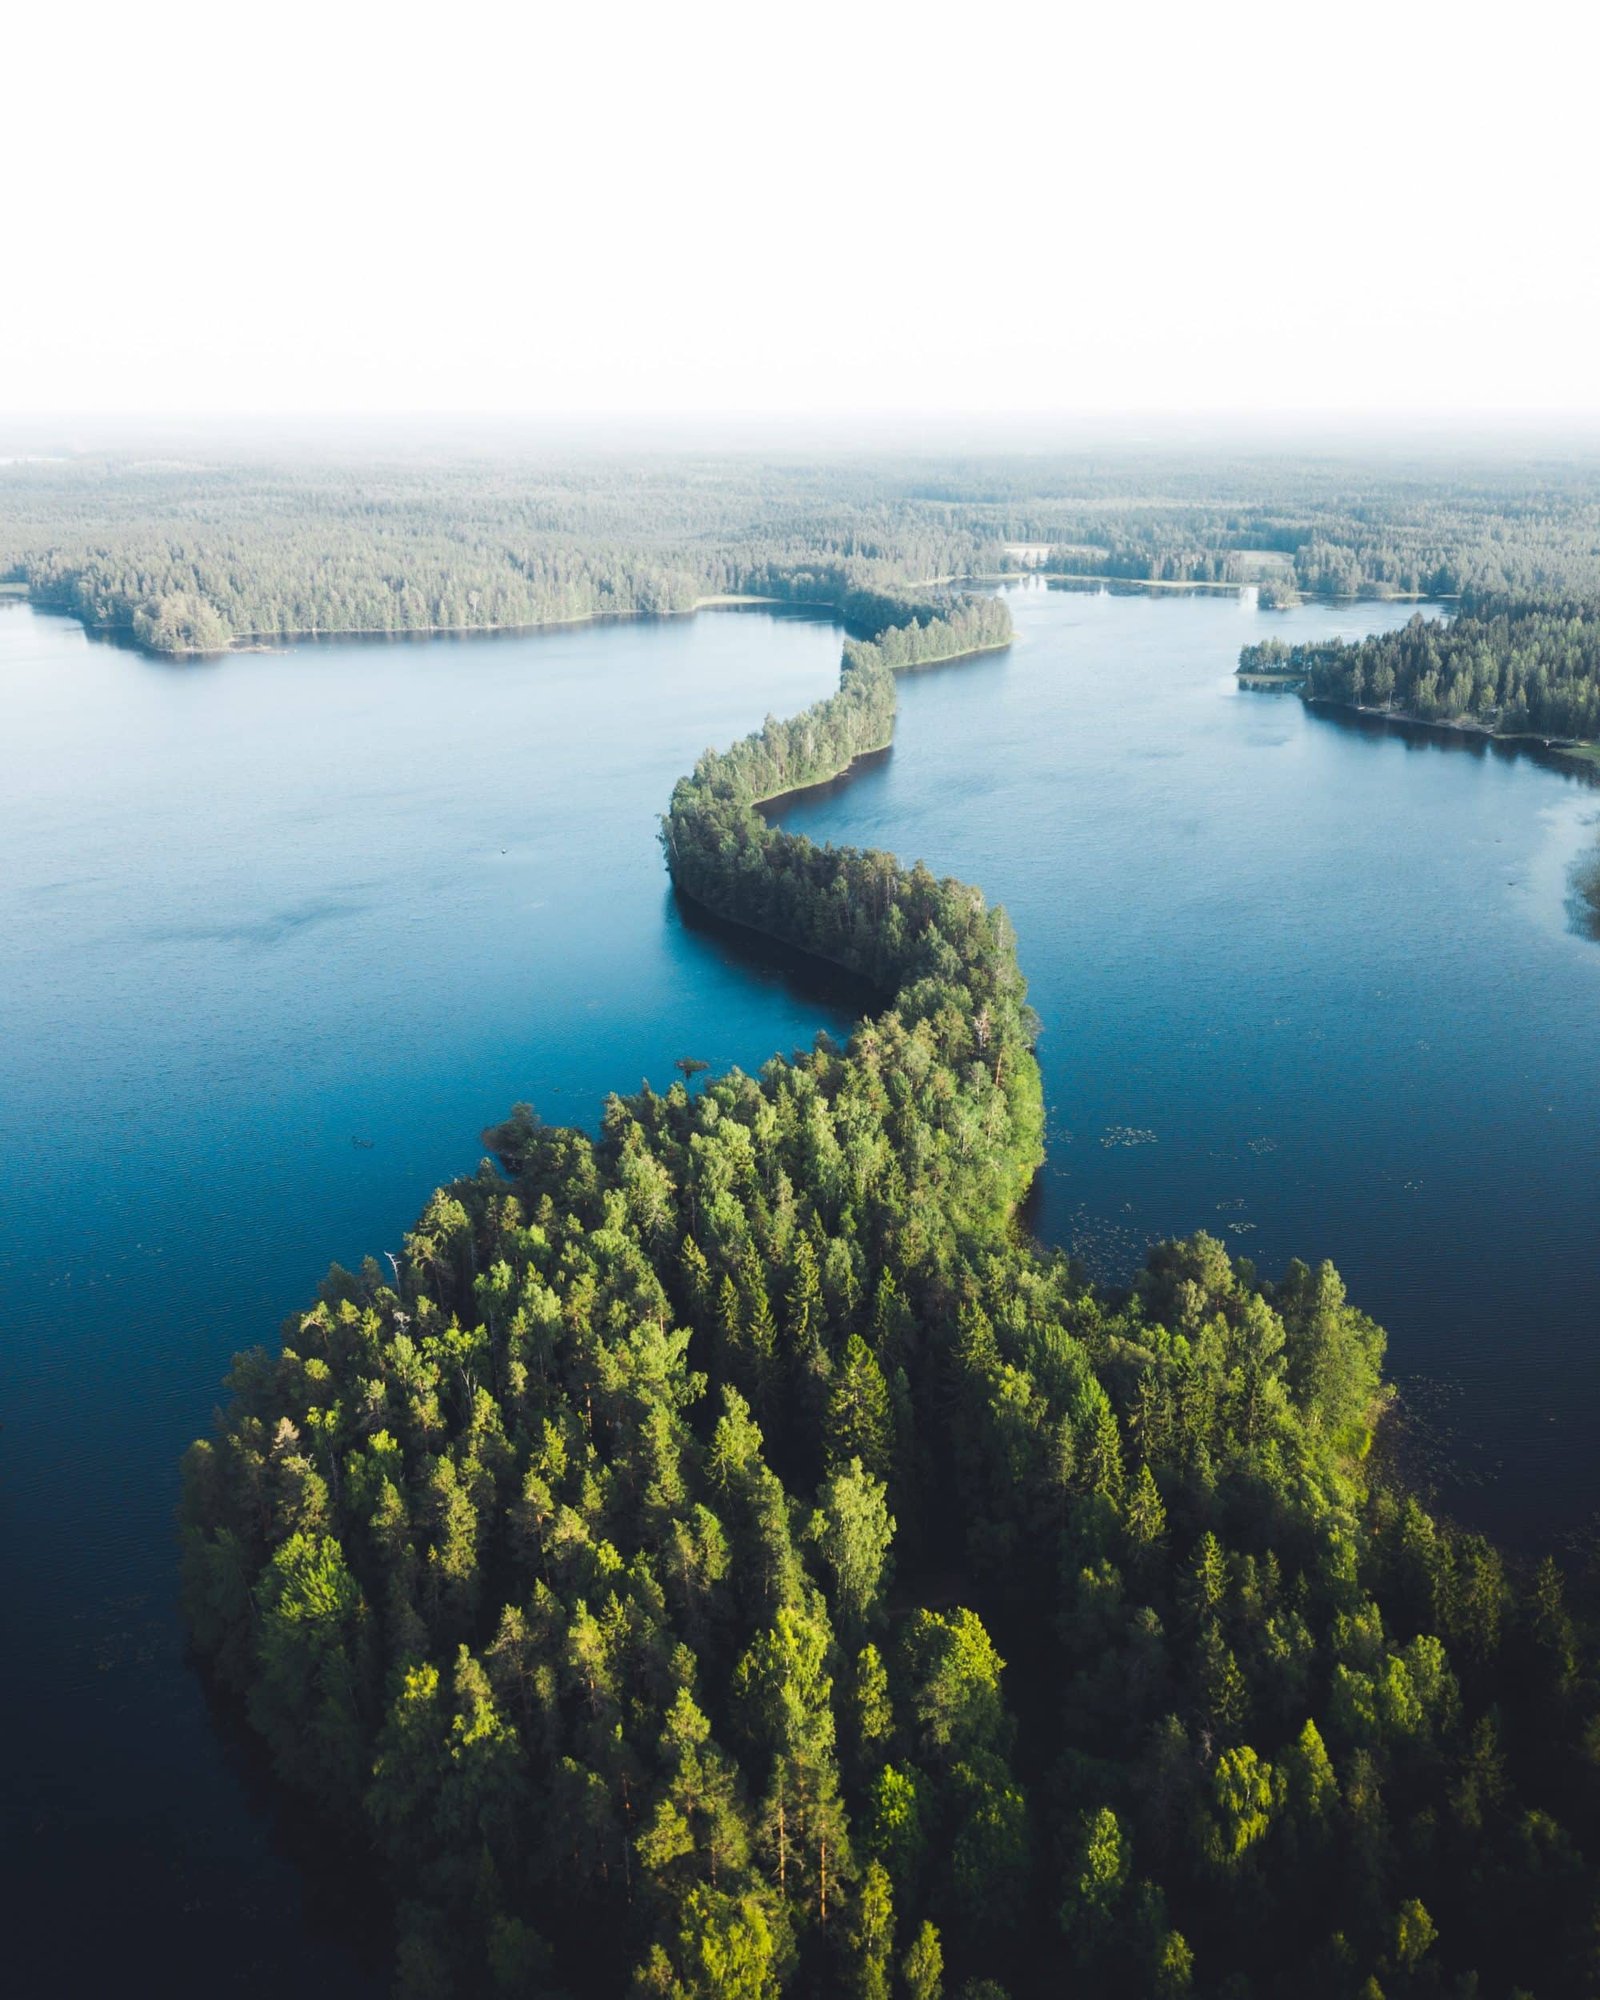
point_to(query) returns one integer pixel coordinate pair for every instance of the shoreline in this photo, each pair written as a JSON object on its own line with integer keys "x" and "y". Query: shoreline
{"x": 281, "y": 642}
{"x": 1572, "y": 749}
{"x": 800, "y": 954}
{"x": 277, "y": 642}
{"x": 873, "y": 750}
{"x": 1057, "y": 579}
{"x": 878, "y": 749}
{"x": 1575, "y": 751}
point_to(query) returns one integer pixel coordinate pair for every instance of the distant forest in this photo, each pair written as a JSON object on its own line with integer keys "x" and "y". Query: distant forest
{"x": 207, "y": 552}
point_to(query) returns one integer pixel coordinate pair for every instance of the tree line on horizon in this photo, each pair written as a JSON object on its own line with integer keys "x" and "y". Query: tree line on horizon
{"x": 202, "y": 552}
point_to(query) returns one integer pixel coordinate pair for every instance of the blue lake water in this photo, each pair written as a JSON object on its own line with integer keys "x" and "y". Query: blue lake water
{"x": 1309, "y": 982}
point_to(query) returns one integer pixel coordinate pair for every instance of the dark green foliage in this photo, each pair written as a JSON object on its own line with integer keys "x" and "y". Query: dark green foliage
{"x": 576, "y": 1562}
{"x": 1512, "y": 669}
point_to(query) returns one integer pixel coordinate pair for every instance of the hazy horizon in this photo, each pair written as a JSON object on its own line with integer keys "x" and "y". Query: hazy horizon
{"x": 799, "y": 212}
{"x": 843, "y": 433}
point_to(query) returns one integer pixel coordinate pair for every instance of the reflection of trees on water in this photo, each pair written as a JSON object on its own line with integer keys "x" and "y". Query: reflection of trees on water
{"x": 1583, "y": 894}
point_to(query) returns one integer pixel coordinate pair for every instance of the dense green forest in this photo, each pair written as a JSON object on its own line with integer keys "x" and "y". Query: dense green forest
{"x": 1512, "y": 668}
{"x": 726, "y": 1558}
{"x": 217, "y": 548}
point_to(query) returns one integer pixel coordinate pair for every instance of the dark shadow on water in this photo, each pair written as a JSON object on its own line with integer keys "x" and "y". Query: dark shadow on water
{"x": 346, "y": 1912}
{"x": 1137, "y": 586}
{"x": 121, "y": 640}
{"x": 1583, "y": 895}
{"x": 1030, "y": 1210}
{"x": 224, "y": 1881}
{"x": 124, "y": 641}
{"x": 1442, "y": 736}
{"x": 830, "y": 788}
{"x": 813, "y": 982}
{"x": 806, "y": 614}
{"x": 986, "y": 656}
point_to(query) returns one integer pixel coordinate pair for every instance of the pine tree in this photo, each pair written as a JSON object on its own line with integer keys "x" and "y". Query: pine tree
{"x": 1224, "y": 1694}
{"x": 1103, "y": 1465}
{"x": 696, "y": 1278}
{"x": 1144, "y": 1518}
{"x": 1207, "y": 1590}
{"x": 922, "y": 1968}
{"x": 872, "y": 1938}
{"x": 758, "y": 1337}
{"x": 859, "y": 1424}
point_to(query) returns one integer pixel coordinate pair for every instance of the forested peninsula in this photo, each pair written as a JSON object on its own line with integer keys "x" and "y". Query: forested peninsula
{"x": 725, "y": 1558}
{"x": 1510, "y": 669}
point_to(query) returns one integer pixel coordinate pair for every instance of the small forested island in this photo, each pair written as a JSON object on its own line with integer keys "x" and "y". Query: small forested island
{"x": 726, "y": 1558}
{"x": 1512, "y": 669}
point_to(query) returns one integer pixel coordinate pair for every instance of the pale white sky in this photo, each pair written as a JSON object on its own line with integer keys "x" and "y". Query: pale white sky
{"x": 787, "y": 208}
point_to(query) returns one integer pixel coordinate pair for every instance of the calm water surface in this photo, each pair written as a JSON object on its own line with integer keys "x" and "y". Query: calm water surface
{"x": 251, "y": 911}
{"x": 1308, "y": 983}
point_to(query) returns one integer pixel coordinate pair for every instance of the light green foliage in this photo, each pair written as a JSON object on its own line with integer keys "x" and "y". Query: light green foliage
{"x": 1098, "y": 1876}
{"x": 177, "y": 622}
{"x": 410, "y": 1765}
{"x": 1144, "y": 1517}
{"x": 852, "y": 1529}
{"x": 784, "y": 1686}
{"x": 1174, "y": 1971}
{"x": 1310, "y": 1785}
{"x": 954, "y": 1673}
{"x": 896, "y": 1823}
{"x": 1414, "y": 1934}
{"x": 307, "y": 1696}
{"x": 871, "y": 1708}
{"x": 922, "y": 1968}
{"x": 726, "y": 1949}
{"x": 872, "y": 1938}
{"x": 784, "y": 1692}
{"x": 698, "y": 1827}
{"x": 1243, "y": 1798}
{"x": 1208, "y": 1590}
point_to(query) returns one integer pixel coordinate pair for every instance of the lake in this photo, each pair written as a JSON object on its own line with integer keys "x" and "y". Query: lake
{"x": 280, "y": 933}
